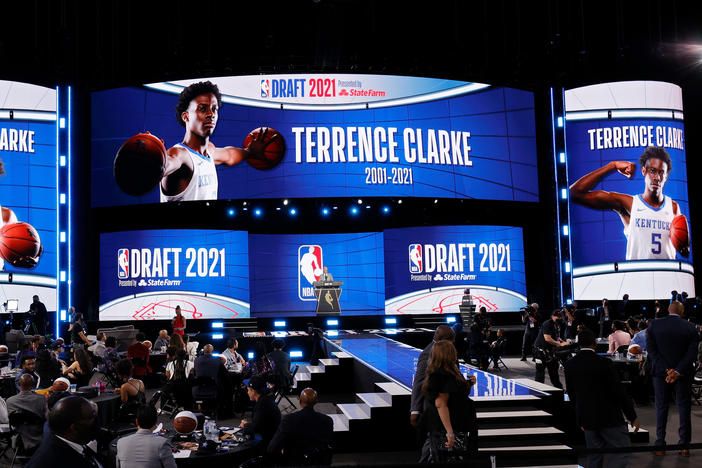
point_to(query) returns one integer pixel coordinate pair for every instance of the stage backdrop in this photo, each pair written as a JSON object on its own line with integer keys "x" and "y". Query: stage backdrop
{"x": 344, "y": 135}
{"x": 428, "y": 268}
{"x": 28, "y": 188}
{"x": 626, "y": 250}
{"x": 145, "y": 274}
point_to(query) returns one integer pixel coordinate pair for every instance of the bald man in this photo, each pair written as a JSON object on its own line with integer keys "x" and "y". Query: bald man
{"x": 27, "y": 400}
{"x": 302, "y": 432}
{"x": 671, "y": 343}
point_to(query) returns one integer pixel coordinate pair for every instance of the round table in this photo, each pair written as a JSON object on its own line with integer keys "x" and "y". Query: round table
{"x": 108, "y": 406}
{"x": 232, "y": 457}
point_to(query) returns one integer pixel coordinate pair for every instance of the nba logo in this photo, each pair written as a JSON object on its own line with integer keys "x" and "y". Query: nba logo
{"x": 123, "y": 263}
{"x": 309, "y": 269}
{"x": 415, "y": 258}
{"x": 265, "y": 88}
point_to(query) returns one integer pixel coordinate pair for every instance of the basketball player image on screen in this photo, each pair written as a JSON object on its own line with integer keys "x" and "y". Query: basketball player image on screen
{"x": 19, "y": 242}
{"x": 653, "y": 224}
{"x": 186, "y": 171}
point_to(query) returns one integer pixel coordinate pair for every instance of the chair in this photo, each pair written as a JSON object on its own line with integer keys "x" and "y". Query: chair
{"x": 283, "y": 391}
{"x": 497, "y": 352}
{"x": 205, "y": 395}
{"x": 697, "y": 384}
{"x": 168, "y": 403}
{"x": 24, "y": 424}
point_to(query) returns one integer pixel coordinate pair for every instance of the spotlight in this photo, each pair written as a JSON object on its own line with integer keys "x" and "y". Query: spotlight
{"x": 336, "y": 333}
{"x": 292, "y": 211}
{"x": 368, "y": 207}
{"x": 258, "y": 212}
{"x": 450, "y": 319}
{"x": 354, "y": 210}
{"x": 436, "y": 200}
{"x": 325, "y": 211}
{"x": 332, "y": 322}
{"x": 386, "y": 209}
{"x": 336, "y": 207}
{"x": 390, "y": 321}
{"x": 244, "y": 203}
{"x": 360, "y": 202}
{"x": 279, "y": 323}
{"x": 217, "y": 336}
{"x": 277, "y": 208}
{"x": 231, "y": 212}
{"x": 285, "y": 202}
{"x": 250, "y": 355}
{"x": 295, "y": 354}
{"x": 399, "y": 202}
{"x": 217, "y": 324}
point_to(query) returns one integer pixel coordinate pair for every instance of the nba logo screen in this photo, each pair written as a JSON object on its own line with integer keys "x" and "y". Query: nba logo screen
{"x": 265, "y": 88}
{"x": 415, "y": 258}
{"x": 123, "y": 263}
{"x": 309, "y": 262}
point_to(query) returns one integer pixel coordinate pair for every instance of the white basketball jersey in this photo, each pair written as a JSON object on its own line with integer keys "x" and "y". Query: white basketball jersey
{"x": 203, "y": 184}
{"x": 648, "y": 233}
{"x": 13, "y": 219}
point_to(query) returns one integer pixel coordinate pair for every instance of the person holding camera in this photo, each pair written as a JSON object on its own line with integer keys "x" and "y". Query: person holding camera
{"x": 548, "y": 340}
{"x": 531, "y": 328}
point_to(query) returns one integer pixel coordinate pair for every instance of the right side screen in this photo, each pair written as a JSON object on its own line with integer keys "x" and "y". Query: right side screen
{"x": 629, "y": 211}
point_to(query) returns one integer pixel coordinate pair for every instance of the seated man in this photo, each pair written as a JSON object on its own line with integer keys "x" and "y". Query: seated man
{"x": 144, "y": 448}
{"x": 266, "y": 415}
{"x": 139, "y": 355}
{"x": 28, "y": 367}
{"x": 210, "y": 367}
{"x": 99, "y": 348}
{"x": 281, "y": 364}
{"x": 235, "y": 361}
{"x": 162, "y": 341}
{"x": 27, "y": 400}
{"x": 302, "y": 432}
{"x": 4, "y": 356}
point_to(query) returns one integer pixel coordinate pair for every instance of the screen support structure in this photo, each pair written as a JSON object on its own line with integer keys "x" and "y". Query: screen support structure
{"x": 560, "y": 163}
{"x": 63, "y": 204}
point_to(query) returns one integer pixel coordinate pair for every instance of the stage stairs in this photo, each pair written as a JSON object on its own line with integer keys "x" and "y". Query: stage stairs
{"x": 518, "y": 430}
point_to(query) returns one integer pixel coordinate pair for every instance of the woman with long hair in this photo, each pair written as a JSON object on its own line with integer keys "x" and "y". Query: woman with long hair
{"x": 177, "y": 341}
{"x": 132, "y": 390}
{"x": 81, "y": 369}
{"x": 450, "y": 415}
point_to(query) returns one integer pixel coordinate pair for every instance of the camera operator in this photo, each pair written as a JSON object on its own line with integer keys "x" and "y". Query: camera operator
{"x": 548, "y": 340}
{"x": 530, "y": 319}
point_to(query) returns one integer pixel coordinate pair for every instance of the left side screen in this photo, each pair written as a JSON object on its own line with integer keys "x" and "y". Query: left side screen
{"x": 144, "y": 275}
{"x": 28, "y": 196}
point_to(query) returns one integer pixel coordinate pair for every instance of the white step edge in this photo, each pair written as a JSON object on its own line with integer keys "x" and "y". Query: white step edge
{"x": 342, "y": 354}
{"x": 329, "y": 362}
{"x": 525, "y": 448}
{"x": 518, "y": 431}
{"x": 341, "y": 423}
{"x": 537, "y": 385}
{"x": 304, "y": 376}
{"x": 506, "y": 398}
{"x": 315, "y": 369}
{"x": 355, "y": 410}
{"x": 376, "y": 400}
{"x": 549, "y": 466}
{"x": 392, "y": 388}
{"x": 512, "y": 414}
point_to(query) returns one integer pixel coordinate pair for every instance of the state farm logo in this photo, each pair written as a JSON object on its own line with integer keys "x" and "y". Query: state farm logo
{"x": 343, "y": 92}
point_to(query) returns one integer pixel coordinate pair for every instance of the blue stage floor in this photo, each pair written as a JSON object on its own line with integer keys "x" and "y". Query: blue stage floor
{"x": 398, "y": 362}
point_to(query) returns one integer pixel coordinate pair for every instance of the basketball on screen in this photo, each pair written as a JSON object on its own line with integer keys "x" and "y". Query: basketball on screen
{"x": 274, "y": 148}
{"x": 679, "y": 235}
{"x": 140, "y": 164}
{"x": 20, "y": 245}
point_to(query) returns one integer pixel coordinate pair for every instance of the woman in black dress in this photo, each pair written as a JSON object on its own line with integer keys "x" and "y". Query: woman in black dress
{"x": 449, "y": 413}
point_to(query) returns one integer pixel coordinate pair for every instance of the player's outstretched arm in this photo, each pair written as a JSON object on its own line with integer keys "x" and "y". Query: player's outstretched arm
{"x": 231, "y": 155}
{"x": 581, "y": 191}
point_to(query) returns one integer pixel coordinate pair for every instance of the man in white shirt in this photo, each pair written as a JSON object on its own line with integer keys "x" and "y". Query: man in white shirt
{"x": 235, "y": 361}
{"x": 99, "y": 348}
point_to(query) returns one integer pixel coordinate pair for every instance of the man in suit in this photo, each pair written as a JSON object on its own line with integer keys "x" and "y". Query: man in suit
{"x": 303, "y": 431}
{"x": 593, "y": 385}
{"x": 671, "y": 343}
{"x": 27, "y": 400}
{"x": 281, "y": 364}
{"x": 144, "y": 449}
{"x": 624, "y": 309}
{"x": 604, "y": 316}
{"x": 73, "y": 423}
{"x": 326, "y": 276}
{"x": 443, "y": 332}
{"x": 266, "y": 415}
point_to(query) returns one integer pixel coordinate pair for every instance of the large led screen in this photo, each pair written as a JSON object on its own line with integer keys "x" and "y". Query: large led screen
{"x": 629, "y": 211}
{"x": 427, "y": 269}
{"x": 284, "y": 268}
{"x": 28, "y": 196}
{"x": 144, "y": 275}
{"x": 312, "y": 136}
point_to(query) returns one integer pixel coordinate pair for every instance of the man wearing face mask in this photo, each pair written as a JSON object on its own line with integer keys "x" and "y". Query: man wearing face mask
{"x": 73, "y": 423}
{"x": 546, "y": 343}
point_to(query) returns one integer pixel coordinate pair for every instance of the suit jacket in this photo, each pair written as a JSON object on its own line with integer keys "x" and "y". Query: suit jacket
{"x": 55, "y": 452}
{"x": 417, "y": 402}
{"x": 209, "y": 366}
{"x": 671, "y": 343}
{"x": 281, "y": 363}
{"x": 266, "y": 418}
{"x": 144, "y": 449}
{"x": 594, "y": 386}
{"x": 302, "y": 431}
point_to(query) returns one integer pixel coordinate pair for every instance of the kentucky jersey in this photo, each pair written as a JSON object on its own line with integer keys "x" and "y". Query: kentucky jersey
{"x": 203, "y": 184}
{"x": 648, "y": 233}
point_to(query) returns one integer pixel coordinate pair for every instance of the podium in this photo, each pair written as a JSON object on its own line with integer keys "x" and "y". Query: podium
{"x": 327, "y": 294}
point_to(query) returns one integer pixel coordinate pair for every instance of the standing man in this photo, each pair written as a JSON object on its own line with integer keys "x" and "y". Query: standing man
{"x": 593, "y": 384}
{"x": 281, "y": 364}
{"x": 531, "y": 328}
{"x": 672, "y": 346}
{"x": 144, "y": 448}
{"x": 39, "y": 316}
{"x": 178, "y": 322}
{"x": 604, "y": 316}
{"x": 546, "y": 343}
{"x": 326, "y": 276}
{"x": 443, "y": 332}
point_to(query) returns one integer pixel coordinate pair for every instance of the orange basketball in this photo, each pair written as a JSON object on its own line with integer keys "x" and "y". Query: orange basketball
{"x": 679, "y": 235}
{"x": 185, "y": 422}
{"x": 140, "y": 164}
{"x": 20, "y": 245}
{"x": 269, "y": 148}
